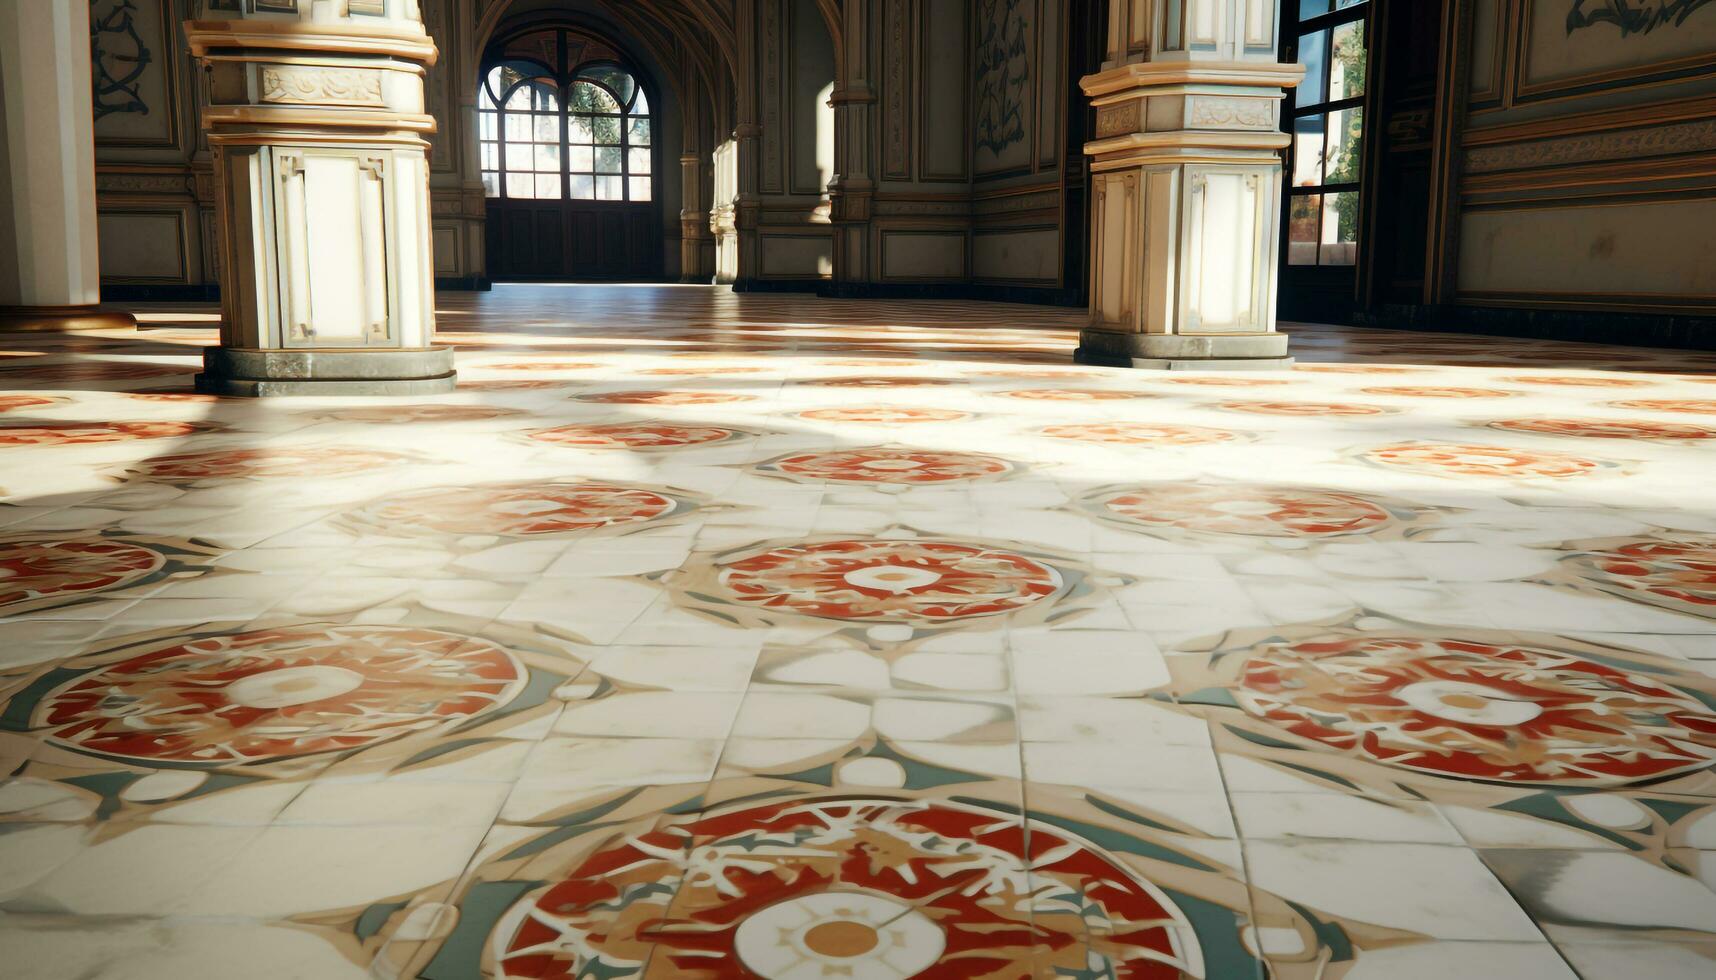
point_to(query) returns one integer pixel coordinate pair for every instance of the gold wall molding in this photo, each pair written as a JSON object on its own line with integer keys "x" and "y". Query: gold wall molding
{"x": 1655, "y": 141}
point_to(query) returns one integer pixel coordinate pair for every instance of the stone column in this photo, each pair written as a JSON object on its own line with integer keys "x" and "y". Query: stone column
{"x": 317, "y": 123}
{"x": 49, "y": 275}
{"x": 1186, "y": 186}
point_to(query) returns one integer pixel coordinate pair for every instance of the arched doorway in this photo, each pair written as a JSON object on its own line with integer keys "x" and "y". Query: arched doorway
{"x": 569, "y": 159}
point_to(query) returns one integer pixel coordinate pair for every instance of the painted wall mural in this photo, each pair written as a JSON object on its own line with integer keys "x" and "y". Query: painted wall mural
{"x": 1631, "y": 16}
{"x": 1002, "y": 80}
{"x": 118, "y": 57}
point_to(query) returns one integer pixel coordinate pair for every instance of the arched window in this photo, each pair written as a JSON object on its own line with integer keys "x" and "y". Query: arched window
{"x": 579, "y": 129}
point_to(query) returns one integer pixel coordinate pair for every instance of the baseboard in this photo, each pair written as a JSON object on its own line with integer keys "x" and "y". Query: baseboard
{"x": 137, "y": 292}
{"x": 463, "y": 284}
{"x": 778, "y": 285}
{"x": 1038, "y": 295}
{"x": 1678, "y": 331}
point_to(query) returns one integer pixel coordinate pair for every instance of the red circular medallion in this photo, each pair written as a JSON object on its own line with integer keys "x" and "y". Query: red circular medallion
{"x": 632, "y": 435}
{"x": 85, "y": 433}
{"x": 48, "y": 567}
{"x": 891, "y": 581}
{"x": 537, "y": 508}
{"x": 278, "y": 693}
{"x": 1260, "y": 511}
{"x": 1481, "y": 710}
{"x": 1446, "y": 459}
{"x": 891, "y": 466}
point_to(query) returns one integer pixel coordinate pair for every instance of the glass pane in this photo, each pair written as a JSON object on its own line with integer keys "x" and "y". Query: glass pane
{"x": 578, "y": 129}
{"x": 580, "y": 160}
{"x": 639, "y": 135}
{"x": 1311, "y": 8}
{"x": 637, "y": 160}
{"x": 613, "y": 78}
{"x": 639, "y": 187}
{"x": 547, "y": 186}
{"x": 609, "y": 189}
{"x": 607, "y": 159}
{"x": 546, "y": 100}
{"x": 590, "y": 98}
{"x": 1308, "y": 151}
{"x": 484, "y": 99}
{"x": 1340, "y": 228}
{"x": 488, "y": 125}
{"x": 491, "y": 184}
{"x": 1302, "y": 212}
{"x": 583, "y": 188}
{"x": 1314, "y": 55}
{"x": 548, "y": 159}
{"x": 641, "y": 106}
{"x": 1346, "y": 136}
{"x": 1346, "y": 80}
{"x": 519, "y": 99}
{"x": 518, "y": 157}
{"x": 606, "y": 129}
{"x": 520, "y": 185}
{"x": 497, "y": 81}
{"x": 547, "y": 129}
{"x": 517, "y": 128}
{"x": 491, "y": 156}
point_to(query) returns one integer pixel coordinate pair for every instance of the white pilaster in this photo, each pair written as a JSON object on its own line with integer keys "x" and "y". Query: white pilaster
{"x": 1186, "y": 186}
{"x": 49, "y": 274}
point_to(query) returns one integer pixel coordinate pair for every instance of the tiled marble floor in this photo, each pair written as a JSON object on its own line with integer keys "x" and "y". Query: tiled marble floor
{"x": 703, "y": 635}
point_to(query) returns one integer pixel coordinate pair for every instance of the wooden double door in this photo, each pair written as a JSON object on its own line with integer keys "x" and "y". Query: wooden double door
{"x": 568, "y": 241}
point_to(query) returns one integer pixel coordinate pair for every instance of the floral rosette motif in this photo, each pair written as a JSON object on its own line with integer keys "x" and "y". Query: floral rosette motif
{"x": 382, "y": 414}
{"x": 1482, "y": 711}
{"x": 641, "y": 397}
{"x": 877, "y": 382}
{"x": 1435, "y": 391}
{"x": 1356, "y": 369}
{"x": 696, "y": 371}
{"x": 873, "y": 889}
{"x": 278, "y": 693}
{"x": 1465, "y": 460}
{"x": 1071, "y": 394}
{"x": 309, "y": 461}
{"x": 1677, "y": 573}
{"x": 1314, "y": 409}
{"x": 540, "y": 366}
{"x": 1606, "y": 428}
{"x": 12, "y": 403}
{"x": 909, "y": 582}
{"x": 1686, "y": 406}
{"x": 49, "y": 569}
{"x": 183, "y": 397}
{"x": 889, "y": 467}
{"x": 510, "y": 384}
{"x": 1577, "y": 381}
{"x": 520, "y": 509}
{"x": 92, "y": 433}
{"x": 633, "y": 435}
{"x": 1213, "y": 381}
{"x": 1140, "y": 434}
{"x": 1269, "y": 512}
{"x": 884, "y": 415}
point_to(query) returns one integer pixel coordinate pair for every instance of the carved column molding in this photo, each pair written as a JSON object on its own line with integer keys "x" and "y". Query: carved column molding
{"x": 852, "y": 192}
{"x": 317, "y": 127}
{"x": 49, "y": 278}
{"x": 1186, "y": 186}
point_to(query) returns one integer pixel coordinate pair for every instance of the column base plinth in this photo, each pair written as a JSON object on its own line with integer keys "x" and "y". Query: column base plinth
{"x": 266, "y": 373}
{"x": 1184, "y": 352}
{"x": 63, "y": 318}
